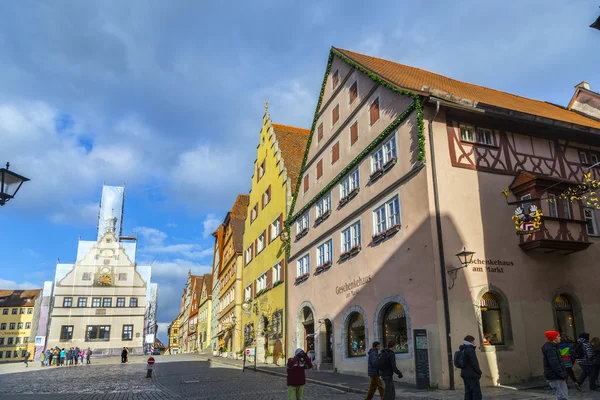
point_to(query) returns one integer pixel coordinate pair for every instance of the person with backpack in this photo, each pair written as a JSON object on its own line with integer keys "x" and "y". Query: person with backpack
{"x": 373, "y": 372}
{"x": 554, "y": 369}
{"x": 386, "y": 364}
{"x": 585, "y": 358}
{"x": 26, "y": 358}
{"x": 567, "y": 353}
{"x": 296, "y": 376}
{"x": 466, "y": 360}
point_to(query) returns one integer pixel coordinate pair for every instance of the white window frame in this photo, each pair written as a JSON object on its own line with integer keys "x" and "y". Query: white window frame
{"x": 349, "y": 183}
{"x": 261, "y": 282}
{"x": 594, "y": 159}
{"x": 352, "y": 239}
{"x": 383, "y": 154}
{"x": 469, "y": 129}
{"x": 325, "y": 252}
{"x": 277, "y": 269}
{"x": 248, "y": 292}
{"x": 302, "y": 222}
{"x": 248, "y": 254}
{"x": 553, "y": 205}
{"x": 383, "y": 216}
{"x": 261, "y": 243}
{"x": 323, "y": 205}
{"x": 584, "y": 159}
{"x": 266, "y": 198}
{"x": 592, "y": 217}
{"x": 566, "y": 209}
{"x": 275, "y": 229}
{"x": 303, "y": 265}
{"x": 488, "y": 134}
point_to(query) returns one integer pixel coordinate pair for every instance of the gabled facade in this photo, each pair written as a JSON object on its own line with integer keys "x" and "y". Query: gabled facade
{"x": 279, "y": 156}
{"x": 404, "y": 169}
{"x": 205, "y": 313}
{"x": 174, "y": 334}
{"x": 190, "y": 313}
{"x": 18, "y": 323}
{"x": 216, "y": 289}
{"x": 230, "y": 278}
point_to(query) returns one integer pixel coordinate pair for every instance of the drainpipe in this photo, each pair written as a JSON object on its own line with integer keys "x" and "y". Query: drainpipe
{"x": 438, "y": 222}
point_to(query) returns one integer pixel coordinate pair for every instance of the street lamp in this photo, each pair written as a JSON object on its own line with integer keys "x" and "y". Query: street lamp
{"x": 10, "y": 183}
{"x": 465, "y": 257}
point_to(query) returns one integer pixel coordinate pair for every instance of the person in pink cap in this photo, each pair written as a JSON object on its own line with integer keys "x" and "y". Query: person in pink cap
{"x": 554, "y": 369}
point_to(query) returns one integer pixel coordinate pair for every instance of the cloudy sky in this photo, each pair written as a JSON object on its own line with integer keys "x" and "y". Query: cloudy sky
{"x": 167, "y": 97}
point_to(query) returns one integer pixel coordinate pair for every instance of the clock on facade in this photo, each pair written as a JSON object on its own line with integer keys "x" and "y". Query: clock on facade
{"x": 104, "y": 280}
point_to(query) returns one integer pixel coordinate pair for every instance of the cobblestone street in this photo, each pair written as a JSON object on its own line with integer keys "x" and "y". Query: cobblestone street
{"x": 188, "y": 377}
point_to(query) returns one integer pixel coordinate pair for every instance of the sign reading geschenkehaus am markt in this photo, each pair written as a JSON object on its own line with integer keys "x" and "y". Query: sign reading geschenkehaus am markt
{"x": 104, "y": 300}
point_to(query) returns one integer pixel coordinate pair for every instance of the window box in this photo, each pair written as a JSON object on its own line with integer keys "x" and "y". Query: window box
{"x": 379, "y": 237}
{"x": 301, "y": 234}
{"x": 323, "y": 217}
{"x": 376, "y": 175}
{"x": 275, "y": 284}
{"x": 350, "y": 253}
{"x": 391, "y": 162}
{"x": 350, "y": 196}
{"x": 323, "y": 268}
{"x": 261, "y": 292}
{"x": 392, "y": 230}
{"x": 302, "y": 278}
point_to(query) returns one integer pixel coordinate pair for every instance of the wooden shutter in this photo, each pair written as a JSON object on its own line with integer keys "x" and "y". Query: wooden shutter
{"x": 281, "y": 227}
{"x": 265, "y": 239}
{"x": 270, "y": 233}
{"x": 353, "y": 92}
{"x": 320, "y": 168}
{"x": 269, "y": 193}
{"x": 354, "y": 133}
{"x": 262, "y": 201}
{"x": 320, "y": 132}
{"x": 306, "y": 183}
{"x": 335, "y": 153}
{"x": 336, "y": 78}
{"x": 283, "y": 267}
{"x": 335, "y": 114}
{"x": 254, "y": 288}
{"x": 270, "y": 277}
{"x": 253, "y": 247}
{"x": 374, "y": 111}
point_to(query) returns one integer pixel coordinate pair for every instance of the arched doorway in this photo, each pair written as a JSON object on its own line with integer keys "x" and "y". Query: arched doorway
{"x": 307, "y": 321}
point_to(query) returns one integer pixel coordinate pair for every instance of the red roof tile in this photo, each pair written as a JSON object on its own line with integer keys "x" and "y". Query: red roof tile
{"x": 292, "y": 143}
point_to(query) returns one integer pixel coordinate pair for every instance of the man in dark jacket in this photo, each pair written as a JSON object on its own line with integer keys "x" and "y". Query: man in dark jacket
{"x": 585, "y": 359}
{"x": 373, "y": 372}
{"x": 471, "y": 373}
{"x": 296, "y": 377}
{"x": 554, "y": 369}
{"x": 387, "y": 374}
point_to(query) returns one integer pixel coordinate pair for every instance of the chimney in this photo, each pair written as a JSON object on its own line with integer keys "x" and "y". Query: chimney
{"x": 585, "y": 102}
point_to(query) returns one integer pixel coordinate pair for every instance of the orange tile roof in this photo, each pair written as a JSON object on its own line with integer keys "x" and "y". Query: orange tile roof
{"x": 238, "y": 214}
{"x": 15, "y": 298}
{"x": 292, "y": 142}
{"x": 415, "y": 79}
{"x": 240, "y": 206}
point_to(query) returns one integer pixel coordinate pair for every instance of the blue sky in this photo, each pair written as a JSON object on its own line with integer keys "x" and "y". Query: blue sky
{"x": 167, "y": 97}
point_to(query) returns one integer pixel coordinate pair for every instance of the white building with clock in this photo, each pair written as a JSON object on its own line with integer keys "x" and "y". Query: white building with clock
{"x": 102, "y": 300}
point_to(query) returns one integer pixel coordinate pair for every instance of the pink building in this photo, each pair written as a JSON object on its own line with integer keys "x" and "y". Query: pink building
{"x": 406, "y": 168}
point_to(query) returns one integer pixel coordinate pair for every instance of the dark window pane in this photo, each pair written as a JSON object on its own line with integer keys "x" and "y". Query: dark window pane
{"x": 356, "y": 336}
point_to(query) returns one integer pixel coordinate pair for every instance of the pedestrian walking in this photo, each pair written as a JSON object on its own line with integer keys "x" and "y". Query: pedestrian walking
{"x": 386, "y": 364}
{"x": 42, "y": 359}
{"x": 373, "y": 372}
{"x": 595, "y": 343}
{"x": 567, "y": 353}
{"x": 466, "y": 359}
{"x": 26, "y": 358}
{"x": 585, "y": 358}
{"x": 123, "y": 355}
{"x": 554, "y": 369}
{"x": 88, "y": 355}
{"x": 296, "y": 376}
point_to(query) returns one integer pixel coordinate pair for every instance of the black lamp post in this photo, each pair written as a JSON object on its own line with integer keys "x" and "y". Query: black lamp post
{"x": 10, "y": 183}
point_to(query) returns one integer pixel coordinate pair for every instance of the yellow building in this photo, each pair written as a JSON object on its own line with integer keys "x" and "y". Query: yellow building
{"x": 205, "y": 313}
{"x": 278, "y": 161}
{"x": 18, "y": 324}
{"x": 174, "y": 335}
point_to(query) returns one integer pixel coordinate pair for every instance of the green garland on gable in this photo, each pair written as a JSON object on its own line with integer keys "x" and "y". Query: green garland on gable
{"x": 415, "y": 105}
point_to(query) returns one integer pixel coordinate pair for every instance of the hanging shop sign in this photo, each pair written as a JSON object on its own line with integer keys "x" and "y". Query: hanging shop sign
{"x": 527, "y": 219}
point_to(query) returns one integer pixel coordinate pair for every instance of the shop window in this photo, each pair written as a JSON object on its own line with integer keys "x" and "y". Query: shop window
{"x": 491, "y": 319}
{"x": 565, "y": 319}
{"x": 394, "y": 328}
{"x": 356, "y": 336}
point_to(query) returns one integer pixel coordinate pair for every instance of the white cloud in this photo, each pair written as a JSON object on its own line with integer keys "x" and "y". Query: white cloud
{"x": 178, "y": 268}
{"x": 156, "y": 245}
{"x": 12, "y": 285}
{"x": 210, "y": 224}
{"x": 152, "y": 235}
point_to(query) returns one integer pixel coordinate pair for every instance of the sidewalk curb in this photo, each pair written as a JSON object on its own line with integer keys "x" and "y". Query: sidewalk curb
{"x": 317, "y": 382}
